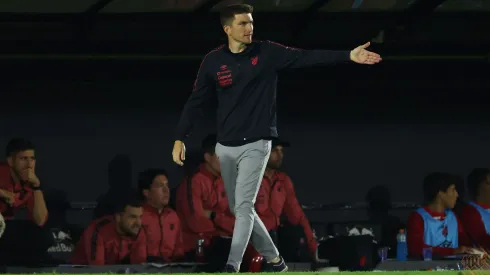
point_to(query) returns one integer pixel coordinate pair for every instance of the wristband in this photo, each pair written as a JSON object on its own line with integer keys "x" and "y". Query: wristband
{"x": 36, "y": 188}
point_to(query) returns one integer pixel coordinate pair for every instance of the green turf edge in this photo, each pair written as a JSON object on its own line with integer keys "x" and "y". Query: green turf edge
{"x": 445, "y": 272}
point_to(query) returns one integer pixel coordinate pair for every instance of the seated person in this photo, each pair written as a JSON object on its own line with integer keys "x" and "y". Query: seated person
{"x": 161, "y": 224}
{"x": 435, "y": 225}
{"x": 276, "y": 197}
{"x": 24, "y": 242}
{"x": 202, "y": 203}
{"x": 114, "y": 239}
{"x": 475, "y": 216}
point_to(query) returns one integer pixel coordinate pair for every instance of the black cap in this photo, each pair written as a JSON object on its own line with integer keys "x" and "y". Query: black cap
{"x": 209, "y": 143}
{"x": 278, "y": 141}
{"x": 477, "y": 176}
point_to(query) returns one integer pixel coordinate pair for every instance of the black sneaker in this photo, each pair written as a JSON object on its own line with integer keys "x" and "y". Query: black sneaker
{"x": 229, "y": 269}
{"x": 277, "y": 267}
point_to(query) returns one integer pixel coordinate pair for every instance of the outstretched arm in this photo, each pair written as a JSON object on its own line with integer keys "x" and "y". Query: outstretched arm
{"x": 362, "y": 56}
{"x": 287, "y": 57}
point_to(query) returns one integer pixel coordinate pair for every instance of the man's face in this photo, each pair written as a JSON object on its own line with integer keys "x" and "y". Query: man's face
{"x": 159, "y": 193}
{"x": 275, "y": 159}
{"x": 449, "y": 197}
{"x": 485, "y": 186}
{"x": 241, "y": 28}
{"x": 22, "y": 160}
{"x": 213, "y": 161}
{"x": 129, "y": 221}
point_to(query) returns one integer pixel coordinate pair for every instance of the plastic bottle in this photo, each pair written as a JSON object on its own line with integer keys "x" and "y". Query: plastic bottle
{"x": 200, "y": 250}
{"x": 401, "y": 246}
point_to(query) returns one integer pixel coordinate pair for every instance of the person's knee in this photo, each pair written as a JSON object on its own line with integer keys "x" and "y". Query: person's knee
{"x": 244, "y": 208}
{"x": 25, "y": 242}
{"x": 40, "y": 237}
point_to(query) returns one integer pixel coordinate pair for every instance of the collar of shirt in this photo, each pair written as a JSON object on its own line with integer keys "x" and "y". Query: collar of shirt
{"x": 249, "y": 48}
{"x": 486, "y": 206}
{"x": 435, "y": 215}
{"x": 203, "y": 170}
{"x": 276, "y": 176}
{"x": 150, "y": 209}
{"x": 113, "y": 226}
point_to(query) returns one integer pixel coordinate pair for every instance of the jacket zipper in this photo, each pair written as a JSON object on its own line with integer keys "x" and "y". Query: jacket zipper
{"x": 218, "y": 198}
{"x": 270, "y": 199}
{"x": 161, "y": 234}
{"x": 120, "y": 249}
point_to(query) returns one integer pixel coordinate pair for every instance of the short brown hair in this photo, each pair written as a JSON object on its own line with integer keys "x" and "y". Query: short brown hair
{"x": 227, "y": 14}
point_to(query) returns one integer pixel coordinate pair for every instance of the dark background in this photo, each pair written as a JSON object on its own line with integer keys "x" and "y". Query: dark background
{"x": 89, "y": 85}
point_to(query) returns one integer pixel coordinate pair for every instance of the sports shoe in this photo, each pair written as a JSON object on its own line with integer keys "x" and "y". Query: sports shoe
{"x": 276, "y": 267}
{"x": 229, "y": 269}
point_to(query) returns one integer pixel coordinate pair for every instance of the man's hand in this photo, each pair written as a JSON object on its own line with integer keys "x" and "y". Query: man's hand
{"x": 362, "y": 56}
{"x": 30, "y": 176}
{"x": 178, "y": 153}
{"x": 2, "y": 225}
{"x": 8, "y": 196}
{"x": 463, "y": 250}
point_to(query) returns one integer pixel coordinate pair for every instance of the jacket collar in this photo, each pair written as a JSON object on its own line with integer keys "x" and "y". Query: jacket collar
{"x": 203, "y": 170}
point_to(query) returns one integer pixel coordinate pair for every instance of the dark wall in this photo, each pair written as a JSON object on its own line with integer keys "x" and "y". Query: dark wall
{"x": 351, "y": 127}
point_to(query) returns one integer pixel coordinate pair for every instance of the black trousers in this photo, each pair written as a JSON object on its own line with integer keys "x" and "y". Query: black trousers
{"x": 24, "y": 244}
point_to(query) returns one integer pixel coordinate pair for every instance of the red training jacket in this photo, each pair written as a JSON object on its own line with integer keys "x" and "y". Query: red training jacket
{"x": 24, "y": 195}
{"x": 164, "y": 233}
{"x": 473, "y": 224}
{"x": 276, "y": 196}
{"x": 100, "y": 244}
{"x": 203, "y": 191}
{"x": 415, "y": 235}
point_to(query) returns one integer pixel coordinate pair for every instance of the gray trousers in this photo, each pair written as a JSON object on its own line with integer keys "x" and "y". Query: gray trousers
{"x": 242, "y": 170}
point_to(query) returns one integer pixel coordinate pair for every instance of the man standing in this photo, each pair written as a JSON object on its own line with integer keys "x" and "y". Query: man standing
{"x": 244, "y": 76}
{"x": 21, "y": 188}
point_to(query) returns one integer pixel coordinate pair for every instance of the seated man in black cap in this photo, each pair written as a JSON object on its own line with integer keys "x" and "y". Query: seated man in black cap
{"x": 276, "y": 197}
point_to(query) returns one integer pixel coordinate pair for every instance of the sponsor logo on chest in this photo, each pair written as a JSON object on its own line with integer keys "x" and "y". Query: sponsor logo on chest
{"x": 224, "y": 76}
